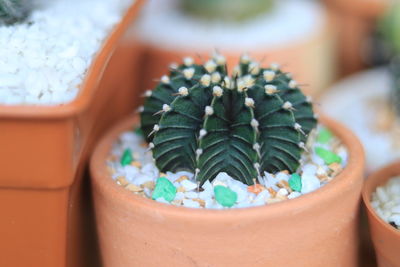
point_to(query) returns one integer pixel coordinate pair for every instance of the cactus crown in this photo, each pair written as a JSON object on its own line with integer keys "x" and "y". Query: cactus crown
{"x": 12, "y": 11}
{"x": 226, "y": 10}
{"x": 201, "y": 120}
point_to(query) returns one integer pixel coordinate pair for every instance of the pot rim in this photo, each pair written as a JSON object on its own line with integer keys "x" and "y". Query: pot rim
{"x": 87, "y": 87}
{"x": 376, "y": 179}
{"x": 349, "y": 176}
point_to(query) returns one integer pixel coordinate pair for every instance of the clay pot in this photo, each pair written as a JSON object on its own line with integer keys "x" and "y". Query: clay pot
{"x": 44, "y": 151}
{"x": 385, "y": 237}
{"x": 318, "y": 229}
{"x": 355, "y": 20}
{"x": 312, "y": 58}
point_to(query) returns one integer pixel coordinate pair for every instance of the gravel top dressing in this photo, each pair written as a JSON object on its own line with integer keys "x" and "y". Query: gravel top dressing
{"x": 131, "y": 165}
{"x": 386, "y": 202}
{"x": 44, "y": 60}
{"x": 164, "y": 24}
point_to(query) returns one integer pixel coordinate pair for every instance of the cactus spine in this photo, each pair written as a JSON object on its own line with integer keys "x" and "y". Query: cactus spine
{"x": 200, "y": 119}
{"x": 12, "y": 11}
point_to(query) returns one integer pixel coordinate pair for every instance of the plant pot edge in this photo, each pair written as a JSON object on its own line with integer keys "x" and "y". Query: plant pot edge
{"x": 355, "y": 165}
{"x": 89, "y": 84}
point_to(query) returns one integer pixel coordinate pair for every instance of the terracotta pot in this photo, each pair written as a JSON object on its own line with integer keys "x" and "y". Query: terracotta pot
{"x": 318, "y": 229}
{"x": 355, "y": 20}
{"x": 44, "y": 151}
{"x": 386, "y": 239}
{"x": 311, "y": 58}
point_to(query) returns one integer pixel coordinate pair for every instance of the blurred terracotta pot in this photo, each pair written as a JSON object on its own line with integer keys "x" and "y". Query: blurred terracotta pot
{"x": 311, "y": 56}
{"x": 355, "y": 20}
{"x": 386, "y": 239}
{"x": 318, "y": 229}
{"x": 44, "y": 153}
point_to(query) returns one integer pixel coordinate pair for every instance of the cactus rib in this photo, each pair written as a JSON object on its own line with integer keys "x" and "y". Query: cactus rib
{"x": 201, "y": 120}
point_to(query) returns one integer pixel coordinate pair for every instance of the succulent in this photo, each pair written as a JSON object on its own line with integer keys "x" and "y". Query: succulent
{"x": 201, "y": 120}
{"x": 12, "y": 11}
{"x": 389, "y": 28}
{"x": 226, "y": 10}
{"x": 395, "y": 72}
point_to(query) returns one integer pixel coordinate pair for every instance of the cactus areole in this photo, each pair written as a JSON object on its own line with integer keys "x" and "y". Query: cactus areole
{"x": 201, "y": 120}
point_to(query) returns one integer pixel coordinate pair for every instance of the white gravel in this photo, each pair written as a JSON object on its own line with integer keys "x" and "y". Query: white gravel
{"x": 386, "y": 202}
{"x": 44, "y": 60}
{"x": 353, "y": 101}
{"x": 290, "y": 21}
{"x": 141, "y": 175}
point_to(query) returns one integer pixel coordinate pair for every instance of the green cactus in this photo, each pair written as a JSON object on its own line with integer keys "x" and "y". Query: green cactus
{"x": 226, "y": 10}
{"x": 389, "y": 28}
{"x": 201, "y": 120}
{"x": 395, "y": 94}
{"x": 12, "y": 11}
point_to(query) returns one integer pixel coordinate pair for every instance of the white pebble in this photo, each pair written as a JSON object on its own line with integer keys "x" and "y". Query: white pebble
{"x": 282, "y": 176}
{"x": 179, "y": 196}
{"x": 310, "y": 169}
{"x": 191, "y": 194}
{"x": 188, "y": 185}
{"x": 282, "y": 192}
{"x": 309, "y": 183}
{"x": 294, "y": 195}
{"x": 207, "y": 186}
{"x": 221, "y": 179}
{"x": 190, "y": 203}
{"x": 45, "y": 62}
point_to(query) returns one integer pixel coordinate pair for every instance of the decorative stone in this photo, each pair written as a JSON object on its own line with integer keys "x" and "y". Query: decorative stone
{"x": 134, "y": 188}
{"x": 324, "y": 136}
{"x": 225, "y": 196}
{"x": 328, "y": 156}
{"x": 164, "y": 189}
{"x": 295, "y": 182}
{"x": 256, "y": 188}
{"x": 126, "y": 158}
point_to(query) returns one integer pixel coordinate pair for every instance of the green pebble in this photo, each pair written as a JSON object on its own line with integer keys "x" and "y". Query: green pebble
{"x": 225, "y": 196}
{"x": 165, "y": 189}
{"x": 126, "y": 158}
{"x": 324, "y": 136}
{"x": 295, "y": 182}
{"x": 328, "y": 156}
{"x": 138, "y": 131}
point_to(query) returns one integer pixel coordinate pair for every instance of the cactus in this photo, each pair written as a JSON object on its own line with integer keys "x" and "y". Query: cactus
{"x": 201, "y": 120}
{"x": 395, "y": 94}
{"x": 389, "y": 28}
{"x": 226, "y": 10}
{"x": 12, "y": 11}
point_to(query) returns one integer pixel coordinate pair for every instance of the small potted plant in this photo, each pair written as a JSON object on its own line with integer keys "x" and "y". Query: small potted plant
{"x": 381, "y": 195}
{"x": 227, "y": 170}
{"x": 368, "y": 102}
{"x": 296, "y": 33}
{"x": 55, "y": 98}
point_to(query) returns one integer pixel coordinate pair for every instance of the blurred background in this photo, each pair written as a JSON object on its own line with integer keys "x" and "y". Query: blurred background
{"x": 343, "y": 53}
